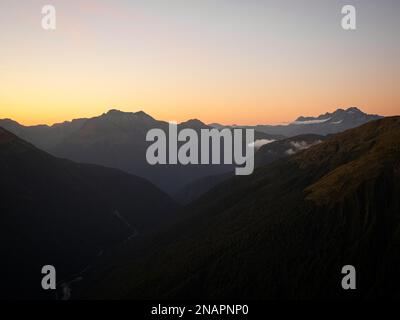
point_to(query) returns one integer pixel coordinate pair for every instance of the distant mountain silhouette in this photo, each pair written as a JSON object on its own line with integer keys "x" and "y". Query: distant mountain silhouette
{"x": 43, "y": 136}
{"x": 58, "y": 212}
{"x": 118, "y": 139}
{"x": 284, "y": 232}
{"x": 328, "y": 123}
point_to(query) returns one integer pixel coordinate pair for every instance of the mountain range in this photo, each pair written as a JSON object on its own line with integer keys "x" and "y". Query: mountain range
{"x": 324, "y": 124}
{"x": 116, "y": 139}
{"x": 313, "y": 204}
{"x": 284, "y": 232}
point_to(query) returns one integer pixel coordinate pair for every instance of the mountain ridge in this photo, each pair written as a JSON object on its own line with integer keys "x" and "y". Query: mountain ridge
{"x": 323, "y": 124}
{"x": 117, "y": 139}
{"x": 261, "y": 236}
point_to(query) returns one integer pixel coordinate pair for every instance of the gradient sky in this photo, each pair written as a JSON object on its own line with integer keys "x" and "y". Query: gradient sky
{"x": 236, "y": 61}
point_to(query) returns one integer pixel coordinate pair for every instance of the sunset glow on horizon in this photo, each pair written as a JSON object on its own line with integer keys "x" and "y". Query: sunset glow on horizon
{"x": 231, "y": 62}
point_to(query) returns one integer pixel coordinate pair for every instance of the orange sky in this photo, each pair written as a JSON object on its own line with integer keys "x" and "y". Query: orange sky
{"x": 231, "y": 62}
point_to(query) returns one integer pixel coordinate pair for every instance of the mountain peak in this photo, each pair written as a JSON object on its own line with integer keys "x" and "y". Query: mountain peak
{"x": 119, "y": 113}
{"x": 354, "y": 110}
{"x": 141, "y": 113}
{"x": 339, "y": 111}
{"x": 9, "y": 121}
{"x": 114, "y": 112}
{"x": 193, "y": 123}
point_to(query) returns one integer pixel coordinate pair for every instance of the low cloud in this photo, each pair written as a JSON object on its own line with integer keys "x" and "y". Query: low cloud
{"x": 300, "y": 145}
{"x": 259, "y": 143}
{"x": 311, "y": 121}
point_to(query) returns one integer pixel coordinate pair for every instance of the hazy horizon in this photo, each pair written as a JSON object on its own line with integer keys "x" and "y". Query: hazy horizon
{"x": 243, "y": 62}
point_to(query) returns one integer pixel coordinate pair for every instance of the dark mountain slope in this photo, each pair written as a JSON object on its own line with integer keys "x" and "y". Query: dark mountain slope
{"x": 284, "y": 232}
{"x": 62, "y": 213}
{"x": 283, "y": 148}
{"x": 117, "y": 139}
{"x": 264, "y": 155}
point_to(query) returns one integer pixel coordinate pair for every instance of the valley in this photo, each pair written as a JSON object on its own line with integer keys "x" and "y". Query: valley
{"x": 313, "y": 204}
{"x": 279, "y": 233}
